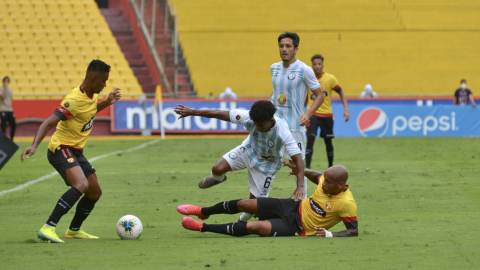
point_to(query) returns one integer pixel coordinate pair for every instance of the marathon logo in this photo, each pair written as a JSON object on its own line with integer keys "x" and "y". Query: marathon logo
{"x": 88, "y": 125}
{"x": 316, "y": 208}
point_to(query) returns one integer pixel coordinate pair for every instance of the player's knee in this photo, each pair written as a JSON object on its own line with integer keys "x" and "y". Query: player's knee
{"x": 244, "y": 206}
{"x": 81, "y": 186}
{"x": 311, "y": 138}
{"x": 253, "y": 227}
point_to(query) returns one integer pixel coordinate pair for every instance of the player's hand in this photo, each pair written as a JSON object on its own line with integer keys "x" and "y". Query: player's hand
{"x": 299, "y": 194}
{"x": 304, "y": 119}
{"x": 320, "y": 232}
{"x": 346, "y": 115}
{"x": 291, "y": 166}
{"x": 27, "y": 151}
{"x": 114, "y": 95}
{"x": 183, "y": 111}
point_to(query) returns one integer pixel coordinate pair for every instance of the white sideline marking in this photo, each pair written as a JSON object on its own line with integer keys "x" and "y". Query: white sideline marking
{"x": 91, "y": 160}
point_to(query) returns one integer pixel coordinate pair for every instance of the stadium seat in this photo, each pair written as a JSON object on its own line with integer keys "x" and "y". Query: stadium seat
{"x": 377, "y": 42}
{"x": 46, "y": 39}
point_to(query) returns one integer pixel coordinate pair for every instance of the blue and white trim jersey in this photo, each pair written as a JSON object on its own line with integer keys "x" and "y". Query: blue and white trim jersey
{"x": 290, "y": 89}
{"x": 265, "y": 149}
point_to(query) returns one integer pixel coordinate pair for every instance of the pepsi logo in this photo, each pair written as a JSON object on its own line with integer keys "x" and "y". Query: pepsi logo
{"x": 372, "y": 122}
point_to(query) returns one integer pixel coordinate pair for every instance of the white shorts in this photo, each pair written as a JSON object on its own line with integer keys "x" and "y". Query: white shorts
{"x": 258, "y": 183}
{"x": 301, "y": 140}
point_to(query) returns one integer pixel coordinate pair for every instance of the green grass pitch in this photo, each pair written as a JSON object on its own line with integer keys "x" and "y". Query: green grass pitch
{"x": 417, "y": 202}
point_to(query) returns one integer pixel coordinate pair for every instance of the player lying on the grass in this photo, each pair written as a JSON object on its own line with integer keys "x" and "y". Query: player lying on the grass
{"x": 331, "y": 203}
{"x": 74, "y": 120}
{"x": 261, "y": 152}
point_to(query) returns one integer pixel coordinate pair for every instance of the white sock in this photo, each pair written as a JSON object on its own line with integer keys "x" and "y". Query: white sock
{"x": 220, "y": 177}
{"x": 245, "y": 217}
{"x": 305, "y": 186}
{"x": 49, "y": 226}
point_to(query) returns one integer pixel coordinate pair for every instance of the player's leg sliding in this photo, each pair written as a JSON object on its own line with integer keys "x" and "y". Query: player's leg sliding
{"x": 84, "y": 207}
{"x": 329, "y": 147}
{"x": 63, "y": 205}
{"x": 233, "y": 229}
{"x": 228, "y": 207}
{"x": 212, "y": 180}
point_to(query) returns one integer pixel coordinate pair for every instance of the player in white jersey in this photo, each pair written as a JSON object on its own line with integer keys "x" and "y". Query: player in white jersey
{"x": 291, "y": 80}
{"x": 261, "y": 152}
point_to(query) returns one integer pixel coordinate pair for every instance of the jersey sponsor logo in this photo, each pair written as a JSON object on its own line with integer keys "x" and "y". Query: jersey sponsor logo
{"x": 71, "y": 160}
{"x": 88, "y": 125}
{"x": 232, "y": 155}
{"x": 271, "y": 144}
{"x": 329, "y": 206}
{"x": 238, "y": 117}
{"x": 372, "y": 122}
{"x": 281, "y": 99}
{"x": 292, "y": 75}
{"x": 316, "y": 208}
{"x": 67, "y": 105}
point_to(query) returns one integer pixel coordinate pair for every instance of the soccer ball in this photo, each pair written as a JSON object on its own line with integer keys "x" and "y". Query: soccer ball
{"x": 129, "y": 227}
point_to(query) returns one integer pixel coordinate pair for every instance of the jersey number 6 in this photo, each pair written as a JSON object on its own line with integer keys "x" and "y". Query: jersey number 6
{"x": 267, "y": 182}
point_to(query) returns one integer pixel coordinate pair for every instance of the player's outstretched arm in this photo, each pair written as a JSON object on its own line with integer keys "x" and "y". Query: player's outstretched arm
{"x": 322, "y": 233}
{"x": 304, "y": 118}
{"x": 51, "y": 121}
{"x": 113, "y": 97}
{"x": 299, "y": 166}
{"x": 185, "y": 111}
{"x": 311, "y": 175}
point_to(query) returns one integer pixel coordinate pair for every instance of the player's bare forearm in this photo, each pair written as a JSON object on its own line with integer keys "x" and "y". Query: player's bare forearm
{"x": 102, "y": 105}
{"x": 48, "y": 124}
{"x": 299, "y": 165}
{"x": 343, "y": 98}
{"x": 317, "y": 102}
{"x": 346, "y": 233}
{"x": 312, "y": 175}
{"x": 185, "y": 111}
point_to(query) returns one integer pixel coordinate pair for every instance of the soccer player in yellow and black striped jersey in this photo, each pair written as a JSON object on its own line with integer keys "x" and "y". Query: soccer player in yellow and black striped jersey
{"x": 331, "y": 203}
{"x": 74, "y": 120}
{"x": 323, "y": 116}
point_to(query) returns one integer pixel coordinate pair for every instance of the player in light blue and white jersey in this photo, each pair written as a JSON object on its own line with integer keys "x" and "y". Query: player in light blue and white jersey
{"x": 291, "y": 80}
{"x": 261, "y": 152}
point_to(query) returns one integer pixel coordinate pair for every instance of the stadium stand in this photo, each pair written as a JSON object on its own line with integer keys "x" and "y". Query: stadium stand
{"x": 46, "y": 45}
{"x": 401, "y": 47}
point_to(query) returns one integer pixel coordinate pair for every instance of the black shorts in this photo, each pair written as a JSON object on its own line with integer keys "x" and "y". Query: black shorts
{"x": 68, "y": 157}
{"x": 282, "y": 213}
{"x": 324, "y": 123}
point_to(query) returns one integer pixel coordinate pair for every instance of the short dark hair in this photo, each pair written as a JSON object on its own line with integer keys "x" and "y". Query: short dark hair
{"x": 293, "y": 36}
{"x": 463, "y": 81}
{"x": 6, "y": 78}
{"x": 262, "y": 110}
{"x": 98, "y": 66}
{"x": 317, "y": 56}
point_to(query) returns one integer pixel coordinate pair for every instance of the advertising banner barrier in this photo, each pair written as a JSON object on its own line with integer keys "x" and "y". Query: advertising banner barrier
{"x": 376, "y": 119}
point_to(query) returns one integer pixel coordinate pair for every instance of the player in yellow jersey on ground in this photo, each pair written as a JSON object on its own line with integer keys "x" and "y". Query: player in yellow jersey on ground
{"x": 331, "y": 203}
{"x": 323, "y": 116}
{"x": 74, "y": 120}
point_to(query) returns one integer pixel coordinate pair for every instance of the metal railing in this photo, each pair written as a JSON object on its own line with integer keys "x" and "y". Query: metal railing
{"x": 146, "y": 13}
{"x": 142, "y": 10}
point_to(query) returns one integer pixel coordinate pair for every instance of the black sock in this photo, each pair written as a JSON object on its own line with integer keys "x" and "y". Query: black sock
{"x": 328, "y": 143}
{"x": 228, "y": 207}
{"x": 84, "y": 207}
{"x": 233, "y": 229}
{"x": 309, "y": 150}
{"x": 65, "y": 203}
